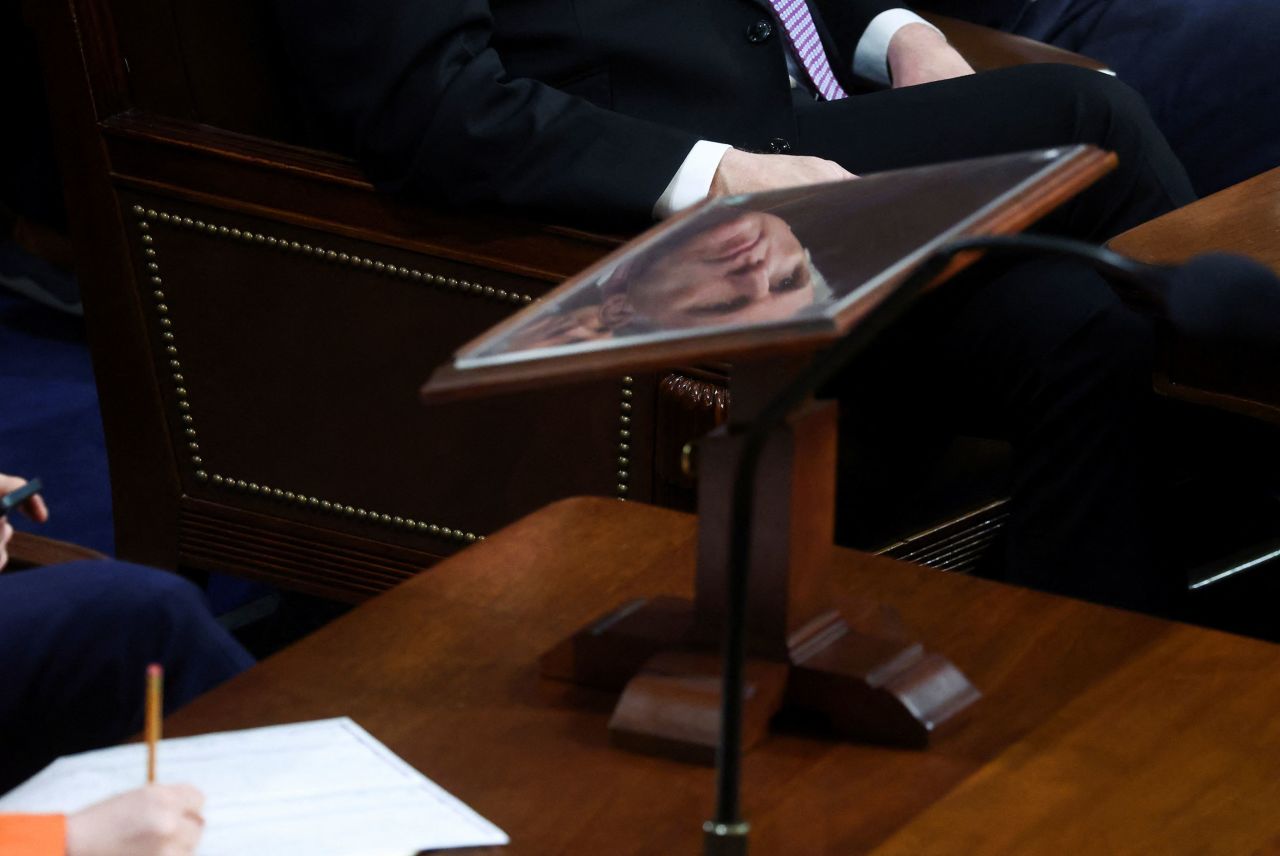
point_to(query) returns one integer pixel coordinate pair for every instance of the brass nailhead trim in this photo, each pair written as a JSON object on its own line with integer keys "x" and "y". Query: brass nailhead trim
{"x": 624, "y": 438}
{"x": 343, "y": 510}
{"x": 325, "y": 255}
{"x": 145, "y": 217}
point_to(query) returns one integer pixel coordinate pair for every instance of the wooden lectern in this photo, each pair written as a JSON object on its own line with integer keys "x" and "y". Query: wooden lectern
{"x": 698, "y": 288}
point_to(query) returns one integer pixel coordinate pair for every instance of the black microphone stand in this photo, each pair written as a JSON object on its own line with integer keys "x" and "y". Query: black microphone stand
{"x": 727, "y": 833}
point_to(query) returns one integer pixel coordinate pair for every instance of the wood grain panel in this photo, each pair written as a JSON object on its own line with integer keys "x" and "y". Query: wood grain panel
{"x": 1243, "y": 219}
{"x": 283, "y": 350}
{"x": 1100, "y": 731}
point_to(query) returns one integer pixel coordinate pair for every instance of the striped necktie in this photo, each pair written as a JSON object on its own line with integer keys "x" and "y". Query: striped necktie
{"x": 803, "y": 33}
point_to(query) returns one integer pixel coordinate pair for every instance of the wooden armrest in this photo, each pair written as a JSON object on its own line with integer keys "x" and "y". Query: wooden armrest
{"x": 985, "y": 48}
{"x": 1242, "y": 219}
{"x": 1202, "y": 393}
{"x": 33, "y": 551}
{"x": 313, "y": 188}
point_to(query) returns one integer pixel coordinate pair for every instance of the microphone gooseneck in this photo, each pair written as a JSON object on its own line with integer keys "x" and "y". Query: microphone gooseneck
{"x": 727, "y": 833}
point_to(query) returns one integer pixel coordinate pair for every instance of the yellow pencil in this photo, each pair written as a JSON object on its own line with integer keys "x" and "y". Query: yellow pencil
{"x": 155, "y": 694}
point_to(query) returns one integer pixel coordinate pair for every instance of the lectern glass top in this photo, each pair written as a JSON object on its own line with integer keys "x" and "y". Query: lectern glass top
{"x": 790, "y": 259}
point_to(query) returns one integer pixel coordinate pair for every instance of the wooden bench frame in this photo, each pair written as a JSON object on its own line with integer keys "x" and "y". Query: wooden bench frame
{"x": 222, "y": 426}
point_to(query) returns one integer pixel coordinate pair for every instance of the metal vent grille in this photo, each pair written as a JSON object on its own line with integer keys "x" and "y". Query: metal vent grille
{"x": 293, "y": 559}
{"x": 958, "y": 545}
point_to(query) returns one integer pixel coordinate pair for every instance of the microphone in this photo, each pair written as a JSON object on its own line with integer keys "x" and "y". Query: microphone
{"x": 1229, "y": 300}
{"x": 1219, "y": 313}
{"x": 1224, "y": 315}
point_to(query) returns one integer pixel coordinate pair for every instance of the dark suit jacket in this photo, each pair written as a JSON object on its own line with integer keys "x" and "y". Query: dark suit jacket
{"x": 583, "y": 107}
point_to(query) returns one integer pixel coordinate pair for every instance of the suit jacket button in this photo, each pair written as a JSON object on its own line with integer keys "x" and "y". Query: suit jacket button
{"x": 760, "y": 31}
{"x": 779, "y": 146}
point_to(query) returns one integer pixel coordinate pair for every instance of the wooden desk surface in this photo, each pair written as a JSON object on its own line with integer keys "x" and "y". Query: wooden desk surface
{"x": 1101, "y": 731}
{"x": 1244, "y": 218}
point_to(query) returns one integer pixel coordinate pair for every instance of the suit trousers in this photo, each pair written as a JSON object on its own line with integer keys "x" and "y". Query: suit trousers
{"x": 75, "y": 641}
{"x": 1205, "y": 67}
{"x": 1041, "y": 353}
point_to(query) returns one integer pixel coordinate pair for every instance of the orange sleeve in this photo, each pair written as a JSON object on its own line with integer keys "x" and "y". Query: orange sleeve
{"x": 33, "y": 834}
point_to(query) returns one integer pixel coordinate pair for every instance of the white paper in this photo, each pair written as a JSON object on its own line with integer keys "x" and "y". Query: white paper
{"x": 324, "y": 788}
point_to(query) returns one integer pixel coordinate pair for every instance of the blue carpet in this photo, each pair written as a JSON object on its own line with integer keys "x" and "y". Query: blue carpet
{"x": 49, "y": 422}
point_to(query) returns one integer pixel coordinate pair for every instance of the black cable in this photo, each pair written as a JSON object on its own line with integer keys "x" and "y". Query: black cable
{"x": 1137, "y": 283}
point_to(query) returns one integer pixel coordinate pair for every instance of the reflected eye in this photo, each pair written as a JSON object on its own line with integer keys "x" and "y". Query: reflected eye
{"x": 725, "y": 307}
{"x": 795, "y": 281}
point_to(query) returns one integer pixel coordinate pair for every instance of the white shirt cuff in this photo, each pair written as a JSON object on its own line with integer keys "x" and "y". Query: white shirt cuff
{"x": 692, "y": 181}
{"x": 871, "y": 57}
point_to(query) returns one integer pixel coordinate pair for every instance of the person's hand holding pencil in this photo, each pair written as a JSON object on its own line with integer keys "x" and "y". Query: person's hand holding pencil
{"x": 156, "y": 820}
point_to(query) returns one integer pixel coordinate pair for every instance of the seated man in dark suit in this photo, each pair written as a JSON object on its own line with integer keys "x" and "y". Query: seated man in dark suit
{"x": 621, "y": 110}
{"x": 1205, "y": 67}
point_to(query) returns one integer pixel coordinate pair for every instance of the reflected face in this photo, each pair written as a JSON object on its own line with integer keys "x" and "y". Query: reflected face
{"x": 748, "y": 269}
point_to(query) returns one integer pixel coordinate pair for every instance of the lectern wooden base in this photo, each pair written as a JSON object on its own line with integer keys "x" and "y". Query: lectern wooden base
{"x": 867, "y": 687}
{"x": 851, "y": 664}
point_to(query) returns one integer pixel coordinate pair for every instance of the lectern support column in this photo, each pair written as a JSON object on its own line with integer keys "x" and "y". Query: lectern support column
{"x": 789, "y": 599}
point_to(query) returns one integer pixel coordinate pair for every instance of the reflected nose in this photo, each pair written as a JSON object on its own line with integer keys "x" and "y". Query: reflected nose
{"x": 751, "y": 279}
